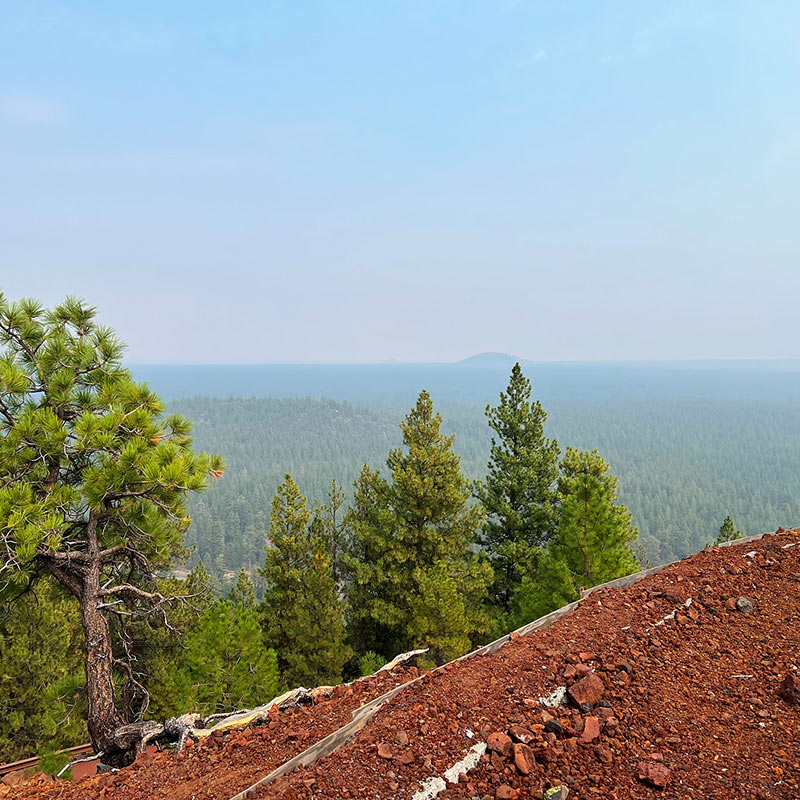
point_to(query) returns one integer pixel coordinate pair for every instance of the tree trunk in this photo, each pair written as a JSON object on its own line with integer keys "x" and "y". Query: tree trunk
{"x": 103, "y": 719}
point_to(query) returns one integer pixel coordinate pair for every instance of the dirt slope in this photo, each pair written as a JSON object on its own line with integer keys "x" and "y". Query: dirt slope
{"x": 684, "y": 690}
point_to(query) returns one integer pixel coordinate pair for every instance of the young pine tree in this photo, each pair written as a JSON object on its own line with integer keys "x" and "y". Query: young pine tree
{"x": 302, "y": 614}
{"x": 728, "y": 532}
{"x": 410, "y": 561}
{"x": 331, "y": 526}
{"x": 225, "y": 665}
{"x": 243, "y": 593}
{"x": 595, "y": 533}
{"x": 519, "y": 493}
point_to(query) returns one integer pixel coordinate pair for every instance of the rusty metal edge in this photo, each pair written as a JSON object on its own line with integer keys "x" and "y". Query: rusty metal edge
{"x": 331, "y": 743}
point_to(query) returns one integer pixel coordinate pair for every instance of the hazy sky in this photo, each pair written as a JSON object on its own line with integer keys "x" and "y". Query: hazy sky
{"x": 417, "y": 179}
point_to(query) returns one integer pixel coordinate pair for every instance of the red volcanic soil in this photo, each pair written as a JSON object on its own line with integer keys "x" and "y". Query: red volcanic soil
{"x": 689, "y": 680}
{"x": 227, "y": 762}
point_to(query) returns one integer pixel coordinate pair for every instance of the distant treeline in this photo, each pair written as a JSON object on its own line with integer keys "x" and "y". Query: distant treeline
{"x": 682, "y": 464}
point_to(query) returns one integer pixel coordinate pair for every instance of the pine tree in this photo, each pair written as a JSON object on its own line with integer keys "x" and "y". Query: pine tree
{"x": 93, "y": 485}
{"x": 243, "y": 593}
{"x": 43, "y": 696}
{"x": 728, "y": 532}
{"x": 547, "y": 585}
{"x": 302, "y": 614}
{"x": 519, "y": 493}
{"x": 331, "y": 526}
{"x": 410, "y": 553}
{"x": 595, "y": 533}
{"x": 160, "y": 651}
{"x": 225, "y": 665}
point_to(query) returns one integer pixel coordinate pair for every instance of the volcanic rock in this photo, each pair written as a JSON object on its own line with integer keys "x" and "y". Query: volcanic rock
{"x": 500, "y": 743}
{"x": 790, "y": 689}
{"x": 744, "y": 605}
{"x": 523, "y": 758}
{"x": 588, "y": 689}
{"x": 556, "y": 793}
{"x": 654, "y": 773}
{"x": 505, "y": 792}
{"x": 591, "y": 729}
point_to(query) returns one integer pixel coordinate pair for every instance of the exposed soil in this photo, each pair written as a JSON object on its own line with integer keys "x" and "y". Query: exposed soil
{"x": 227, "y": 762}
{"x": 694, "y": 696}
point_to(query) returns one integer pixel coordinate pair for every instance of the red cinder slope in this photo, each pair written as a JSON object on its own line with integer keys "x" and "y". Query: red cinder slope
{"x": 688, "y": 675}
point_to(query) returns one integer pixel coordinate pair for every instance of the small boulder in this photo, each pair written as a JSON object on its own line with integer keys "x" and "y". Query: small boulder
{"x": 520, "y": 734}
{"x": 523, "y": 758}
{"x": 500, "y": 743}
{"x": 790, "y": 689}
{"x": 588, "y": 689}
{"x": 591, "y": 729}
{"x": 745, "y": 606}
{"x": 384, "y": 751}
{"x": 554, "y": 726}
{"x": 654, "y": 773}
{"x": 556, "y": 793}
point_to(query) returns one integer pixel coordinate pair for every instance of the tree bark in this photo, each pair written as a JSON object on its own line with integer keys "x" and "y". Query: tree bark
{"x": 103, "y": 719}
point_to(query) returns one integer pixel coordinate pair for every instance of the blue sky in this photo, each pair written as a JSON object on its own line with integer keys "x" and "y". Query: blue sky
{"x": 415, "y": 180}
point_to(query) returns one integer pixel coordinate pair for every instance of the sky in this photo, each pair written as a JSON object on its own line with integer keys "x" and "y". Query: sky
{"x": 417, "y": 180}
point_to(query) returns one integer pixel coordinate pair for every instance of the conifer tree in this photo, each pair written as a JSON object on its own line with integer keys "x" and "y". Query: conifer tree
{"x": 595, "y": 532}
{"x": 302, "y": 614}
{"x": 728, "y": 532}
{"x": 243, "y": 593}
{"x": 43, "y": 694}
{"x": 519, "y": 493}
{"x": 331, "y": 526}
{"x": 225, "y": 665}
{"x": 161, "y": 651}
{"x": 410, "y": 558}
{"x": 93, "y": 485}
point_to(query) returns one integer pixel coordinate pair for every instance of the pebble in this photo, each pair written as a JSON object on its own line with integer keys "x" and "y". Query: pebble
{"x": 744, "y": 605}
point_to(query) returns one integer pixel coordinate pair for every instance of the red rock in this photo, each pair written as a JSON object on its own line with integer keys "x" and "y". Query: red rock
{"x": 500, "y": 743}
{"x": 790, "y": 689}
{"x": 591, "y": 730}
{"x": 384, "y": 751}
{"x": 523, "y": 758}
{"x": 405, "y": 758}
{"x": 520, "y": 734}
{"x": 730, "y": 604}
{"x": 603, "y": 754}
{"x": 654, "y": 773}
{"x": 401, "y": 737}
{"x": 506, "y": 792}
{"x": 588, "y": 689}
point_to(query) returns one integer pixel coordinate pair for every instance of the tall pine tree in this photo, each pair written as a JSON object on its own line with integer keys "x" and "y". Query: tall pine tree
{"x": 519, "y": 493}
{"x": 595, "y": 532}
{"x": 302, "y": 613}
{"x": 410, "y": 562}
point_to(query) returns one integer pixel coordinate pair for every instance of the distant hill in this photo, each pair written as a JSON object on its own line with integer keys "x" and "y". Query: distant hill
{"x": 490, "y": 360}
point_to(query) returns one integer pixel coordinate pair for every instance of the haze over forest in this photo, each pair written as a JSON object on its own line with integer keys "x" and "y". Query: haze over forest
{"x": 691, "y": 442}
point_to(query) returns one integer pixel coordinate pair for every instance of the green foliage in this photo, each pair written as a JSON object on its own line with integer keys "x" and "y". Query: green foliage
{"x": 52, "y": 761}
{"x": 410, "y": 545}
{"x": 728, "y": 532}
{"x": 302, "y": 614}
{"x": 93, "y": 482}
{"x": 595, "y": 533}
{"x": 370, "y": 663}
{"x": 161, "y": 652}
{"x": 243, "y": 593}
{"x": 225, "y": 665}
{"x": 43, "y": 697}
{"x": 548, "y": 585}
{"x": 519, "y": 492}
